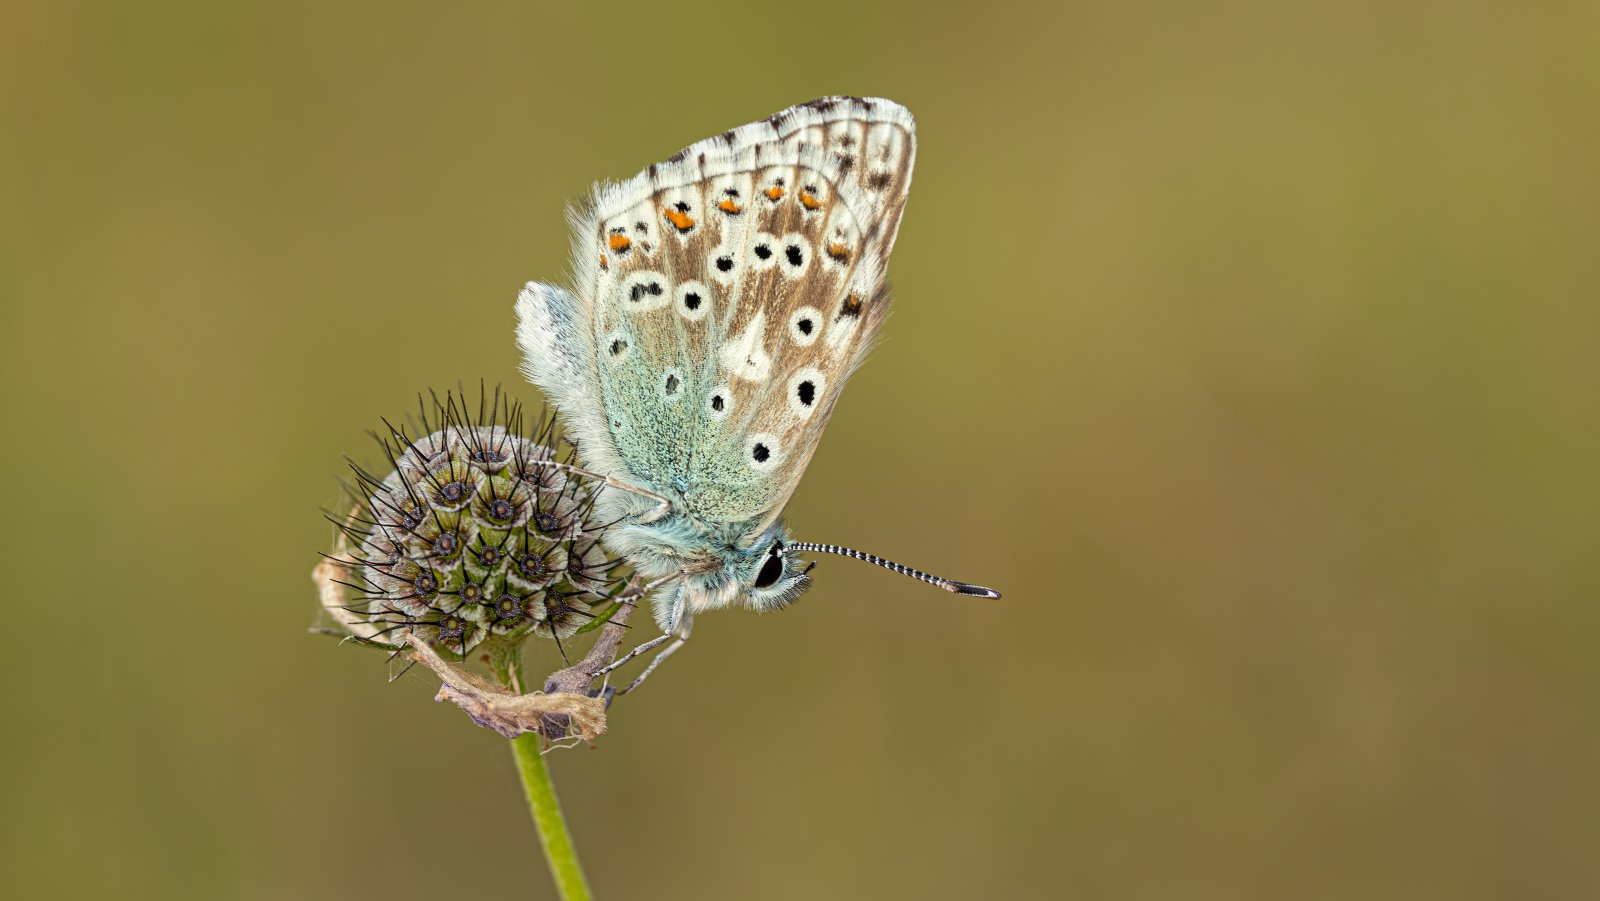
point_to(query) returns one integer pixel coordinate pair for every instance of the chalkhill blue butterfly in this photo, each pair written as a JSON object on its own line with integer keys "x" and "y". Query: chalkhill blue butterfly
{"x": 720, "y": 301}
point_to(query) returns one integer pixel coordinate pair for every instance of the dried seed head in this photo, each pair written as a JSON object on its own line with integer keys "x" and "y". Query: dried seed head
{"x": 469, "y": 538}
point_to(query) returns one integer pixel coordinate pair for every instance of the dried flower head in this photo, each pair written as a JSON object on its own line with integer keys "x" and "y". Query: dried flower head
{"x": 471, "y": 540}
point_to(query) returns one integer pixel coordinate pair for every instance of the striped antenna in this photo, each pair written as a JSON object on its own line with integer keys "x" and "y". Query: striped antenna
{"x": 977, "y": 591}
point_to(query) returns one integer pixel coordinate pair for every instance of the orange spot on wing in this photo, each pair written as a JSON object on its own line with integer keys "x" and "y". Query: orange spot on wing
{"x": 809, "y": 202}
{"x": 774, "y": 193}
{"x": 620, "y": 243}
{"x": 603, "y": 262}
{"x": 729, "y": 207}
{"x": 839, "y": 252}
{"x": 680, "y": 221}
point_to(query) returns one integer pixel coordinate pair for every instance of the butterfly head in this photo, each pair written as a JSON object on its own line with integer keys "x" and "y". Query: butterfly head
{"x": 771, "y": 576}
{"x": 763, "y": 575}
{"x": 768, "y": 574}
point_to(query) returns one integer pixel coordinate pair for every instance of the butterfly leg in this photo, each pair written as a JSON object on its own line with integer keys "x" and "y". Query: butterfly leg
{"x": 683, "y": 639}
{"x": 675, "y": 623}
{"x": 663, "y": 505}
{"x": 646, "y": 646}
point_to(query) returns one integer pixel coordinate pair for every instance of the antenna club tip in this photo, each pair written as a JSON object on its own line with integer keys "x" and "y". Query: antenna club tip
{"x": 976, "y": 591}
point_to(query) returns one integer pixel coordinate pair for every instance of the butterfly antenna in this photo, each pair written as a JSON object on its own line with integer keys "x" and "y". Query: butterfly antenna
{"x": 977, "y": 591}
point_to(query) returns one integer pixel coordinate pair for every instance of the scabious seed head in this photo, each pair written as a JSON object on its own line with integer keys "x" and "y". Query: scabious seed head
{"x": 471, "y": 539}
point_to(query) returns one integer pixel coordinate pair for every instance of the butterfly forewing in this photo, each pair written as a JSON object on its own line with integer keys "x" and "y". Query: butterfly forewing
{"x": 731, "y": 290}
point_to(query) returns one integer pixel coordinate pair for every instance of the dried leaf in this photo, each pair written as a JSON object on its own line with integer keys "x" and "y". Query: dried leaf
{"x": 505, "y": 712}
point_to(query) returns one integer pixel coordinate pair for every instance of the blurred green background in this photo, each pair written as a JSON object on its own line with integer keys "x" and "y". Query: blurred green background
{"x": 1249, "y": 348}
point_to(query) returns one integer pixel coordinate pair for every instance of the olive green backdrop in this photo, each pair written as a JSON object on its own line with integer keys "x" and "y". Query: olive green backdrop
{"x": 1248, "y": 347}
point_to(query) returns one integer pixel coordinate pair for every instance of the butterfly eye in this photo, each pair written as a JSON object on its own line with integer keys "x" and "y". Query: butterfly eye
{"x": 772, "y": 569}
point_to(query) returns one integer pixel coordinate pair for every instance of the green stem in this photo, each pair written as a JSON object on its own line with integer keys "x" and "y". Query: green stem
{"x": 546, "y": 810}
{"x": 528, "y": 749}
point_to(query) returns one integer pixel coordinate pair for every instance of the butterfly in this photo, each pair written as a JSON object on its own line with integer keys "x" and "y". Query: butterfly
{"x": 720, "y": 301}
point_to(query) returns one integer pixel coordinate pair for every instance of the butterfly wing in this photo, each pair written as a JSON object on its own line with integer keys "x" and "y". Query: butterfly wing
{"x": 827, "y": 204}
{"x": 553, "y": 333}
{"x": 725, "y": 296}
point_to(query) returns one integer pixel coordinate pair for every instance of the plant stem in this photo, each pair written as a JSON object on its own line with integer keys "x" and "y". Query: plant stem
{"x": 528, "y": 748}
{"x": 546, "y": 810}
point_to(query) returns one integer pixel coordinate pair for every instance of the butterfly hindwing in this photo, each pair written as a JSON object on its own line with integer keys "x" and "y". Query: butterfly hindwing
{"x": 724, "y": 297}
{"x": 552, "y": 331}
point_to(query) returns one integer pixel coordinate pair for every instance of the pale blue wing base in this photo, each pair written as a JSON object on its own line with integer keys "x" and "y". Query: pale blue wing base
{"x": 558, "y": 356}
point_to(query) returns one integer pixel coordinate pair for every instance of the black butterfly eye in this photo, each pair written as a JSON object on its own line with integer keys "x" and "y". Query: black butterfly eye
{"x": 772, "y": 570}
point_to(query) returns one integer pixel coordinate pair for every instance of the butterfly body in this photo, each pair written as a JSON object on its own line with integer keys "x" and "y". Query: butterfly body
{"x": 720, "y": 301}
